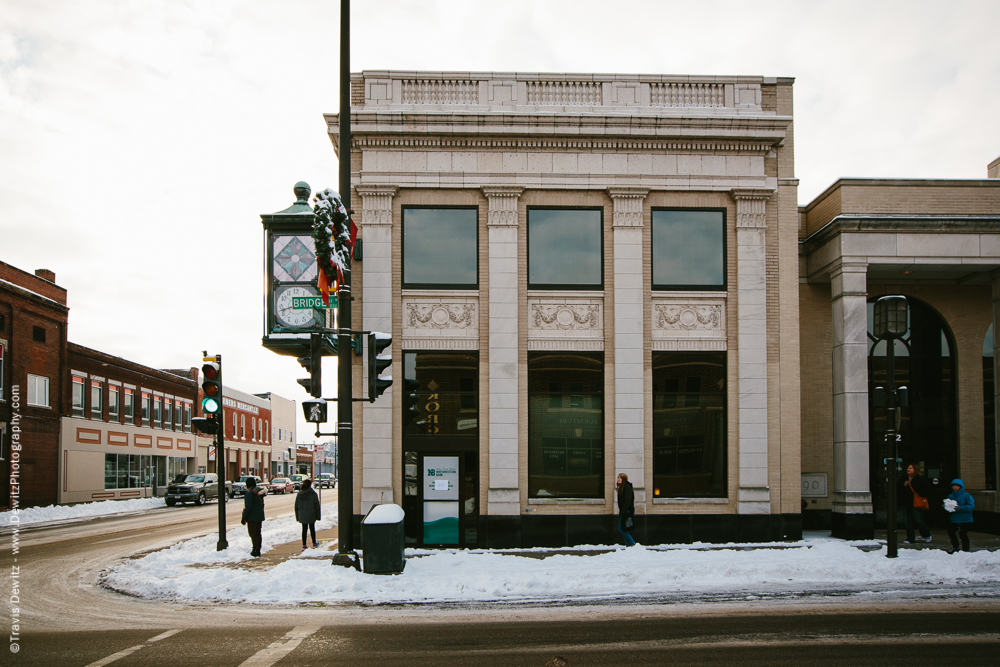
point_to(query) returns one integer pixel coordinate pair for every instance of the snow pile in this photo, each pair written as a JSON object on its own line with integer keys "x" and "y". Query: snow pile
{"x": 81, "y": 511}
{"x": 483, "y": 576}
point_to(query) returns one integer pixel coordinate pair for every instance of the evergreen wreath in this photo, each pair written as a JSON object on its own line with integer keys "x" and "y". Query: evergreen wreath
{"x": 332, "y": 238}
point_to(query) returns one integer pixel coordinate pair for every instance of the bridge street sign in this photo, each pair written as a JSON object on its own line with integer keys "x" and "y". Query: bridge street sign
{"x": 311, "y": 302}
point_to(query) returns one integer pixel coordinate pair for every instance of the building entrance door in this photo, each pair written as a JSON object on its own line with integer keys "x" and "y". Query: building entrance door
{"x": 440, "y": 498}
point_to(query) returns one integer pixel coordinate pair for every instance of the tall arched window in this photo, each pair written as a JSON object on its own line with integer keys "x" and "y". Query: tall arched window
{"x": 989, "y": 413}
{"x": 928, "y": 428}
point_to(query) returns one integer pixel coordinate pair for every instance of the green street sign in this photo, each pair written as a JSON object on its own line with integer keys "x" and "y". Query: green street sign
{"x": 311, "y": 302}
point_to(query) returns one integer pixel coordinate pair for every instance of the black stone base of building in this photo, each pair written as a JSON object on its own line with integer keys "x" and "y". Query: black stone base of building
{"x": 986, "y": 522}
{"x": 534, "y": 530}
{"x": 852, "y": 526}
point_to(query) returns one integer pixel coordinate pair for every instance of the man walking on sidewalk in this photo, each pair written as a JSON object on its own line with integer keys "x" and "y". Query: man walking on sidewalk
{"x": 253, "y": 515}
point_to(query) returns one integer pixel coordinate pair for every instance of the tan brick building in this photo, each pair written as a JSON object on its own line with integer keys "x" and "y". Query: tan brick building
{"x": 586, "y": 275}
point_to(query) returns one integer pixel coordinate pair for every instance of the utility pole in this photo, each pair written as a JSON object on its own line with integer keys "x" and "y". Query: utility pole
{"x": 345, "y": 389}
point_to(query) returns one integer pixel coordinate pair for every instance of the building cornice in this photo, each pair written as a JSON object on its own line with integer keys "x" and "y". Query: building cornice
{"x": 951, "y": 224}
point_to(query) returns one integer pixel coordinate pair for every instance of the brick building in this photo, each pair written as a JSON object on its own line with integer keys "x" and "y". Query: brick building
{"x": 247, "y": 436}
{"x": 33, "y": 320}
{"x": 127, "y": 431}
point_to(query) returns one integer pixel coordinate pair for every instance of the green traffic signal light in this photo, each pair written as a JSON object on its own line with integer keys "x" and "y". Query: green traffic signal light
{"x": 212, "y": 387}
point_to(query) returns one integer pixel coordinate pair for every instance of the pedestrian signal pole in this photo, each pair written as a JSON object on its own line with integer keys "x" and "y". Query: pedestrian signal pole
{"x": 211, "y": 406}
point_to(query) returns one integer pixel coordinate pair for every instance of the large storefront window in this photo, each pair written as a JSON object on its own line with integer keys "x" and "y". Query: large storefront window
{"x": 565, "y": 248}
{"x": 439, "y": 394}
{"x": 441, "y": 248}
{"x": 565, "y": 425}
{"x": 689, "y": 425}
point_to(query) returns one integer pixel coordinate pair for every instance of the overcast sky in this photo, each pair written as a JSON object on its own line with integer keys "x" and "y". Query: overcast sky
{"x": 140, "y": 140}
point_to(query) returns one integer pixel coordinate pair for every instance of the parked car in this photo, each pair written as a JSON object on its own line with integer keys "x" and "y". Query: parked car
{"x": 327, "y": 480}
{"x": 297, "y": 480}
{"x": 240, "y": 485}
{"x": 281, "y": 485}
{"x": 195, "y": 489}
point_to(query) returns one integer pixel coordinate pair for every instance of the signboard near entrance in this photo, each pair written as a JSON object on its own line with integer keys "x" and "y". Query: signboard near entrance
{"x": 441, "y": 500}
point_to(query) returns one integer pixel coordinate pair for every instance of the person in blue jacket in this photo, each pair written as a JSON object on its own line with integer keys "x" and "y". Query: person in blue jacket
{"x": 961, "y": 515}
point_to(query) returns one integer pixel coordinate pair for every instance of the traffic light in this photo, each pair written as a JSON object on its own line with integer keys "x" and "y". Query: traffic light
{"x": 378, "y": 341}
{"x": 212, "y": 386}
{"x": 411, "y": 411}
{"x": 206, "y": 425}
{"x": 314, "y": 364}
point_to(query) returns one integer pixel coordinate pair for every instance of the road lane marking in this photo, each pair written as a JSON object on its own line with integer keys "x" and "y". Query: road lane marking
{"x": 279, "y": 649}
{"x": 132, "y": 649}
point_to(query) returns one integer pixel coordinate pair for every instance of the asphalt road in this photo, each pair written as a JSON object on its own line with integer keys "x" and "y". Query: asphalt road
{"x": 68, "y": 619}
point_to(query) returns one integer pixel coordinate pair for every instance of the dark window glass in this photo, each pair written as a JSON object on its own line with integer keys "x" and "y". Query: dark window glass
{"x": 113, "y": 393}
{"x": 565, "y": 425}
{"x": 564, "y": 248}
{"x": 38, "y": 334}
{"x": 689, "y": 425}
{"x": 128, "y": 406}
{"x": 78, "y": 396}
{"x": 96, "y": 402}
{"x": 440, "y": 247}
{"x": 989, "y": 414}
{"x": 440, "y": 395}
{"x": 689, "y": 249}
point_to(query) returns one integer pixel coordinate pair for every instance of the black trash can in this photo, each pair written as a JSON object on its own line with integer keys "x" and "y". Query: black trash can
{"x": 382, "y": 540}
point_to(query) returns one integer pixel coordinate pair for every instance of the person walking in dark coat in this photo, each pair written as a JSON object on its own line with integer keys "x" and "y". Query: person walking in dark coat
{"x": 626, "y": 508}
{"x": 253, "y": 515}
{"x": 960, "y": 504}
{"x": 913, "y": 494}
{"x": 307, "y": 511}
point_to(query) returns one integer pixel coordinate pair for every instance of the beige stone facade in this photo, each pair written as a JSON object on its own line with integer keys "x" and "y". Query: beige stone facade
{"x": 626, "y": 146}
{"x": 789, "y": 317}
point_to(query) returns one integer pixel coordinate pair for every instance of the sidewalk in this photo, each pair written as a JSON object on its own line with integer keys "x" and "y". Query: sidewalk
{"x": 328, "y": 544}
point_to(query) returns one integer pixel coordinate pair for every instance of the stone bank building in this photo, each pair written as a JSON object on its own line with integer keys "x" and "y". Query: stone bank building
{"x": 593, "y": 274}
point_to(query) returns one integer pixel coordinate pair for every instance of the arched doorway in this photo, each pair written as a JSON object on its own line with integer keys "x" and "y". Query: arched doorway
{"x": 928, "y": 430}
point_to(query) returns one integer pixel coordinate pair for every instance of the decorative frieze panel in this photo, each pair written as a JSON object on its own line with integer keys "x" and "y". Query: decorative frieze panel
{"x": 430, "y": 317}
{"x": 566, "y": 318}
{"x": 685, "y": 323}
{"x": 688, "y": 317}
{"x": 440, "y": 315}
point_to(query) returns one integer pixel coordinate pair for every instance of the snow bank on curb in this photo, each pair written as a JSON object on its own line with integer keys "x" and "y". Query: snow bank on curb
{"x": 464, "y": 576}
{"x": 82, "y": 510}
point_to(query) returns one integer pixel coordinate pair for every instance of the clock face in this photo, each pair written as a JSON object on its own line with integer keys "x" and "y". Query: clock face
{"x": 294, "y": 318}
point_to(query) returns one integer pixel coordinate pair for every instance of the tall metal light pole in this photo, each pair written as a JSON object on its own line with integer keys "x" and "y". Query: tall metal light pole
{"x": 345, "y": 390}
{"x": 890, "y": 324}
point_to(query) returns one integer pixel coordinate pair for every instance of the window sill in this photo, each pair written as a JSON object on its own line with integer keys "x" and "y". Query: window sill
{"x": 566, "y": 501}
{"x": 690, "y": 501}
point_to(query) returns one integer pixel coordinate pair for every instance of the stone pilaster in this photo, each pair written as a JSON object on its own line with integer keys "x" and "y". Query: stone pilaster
{"x": 754, "y": 495}
{"x": 503, "y": 495}
{"x": 629, "y": 328}
{"x": 376, "y": 300}
{"x": 852, "y": 498}
{"x": 996, "y": 359}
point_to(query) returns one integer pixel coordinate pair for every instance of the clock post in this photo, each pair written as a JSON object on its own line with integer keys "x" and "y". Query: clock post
{"x": 290, "y": 274}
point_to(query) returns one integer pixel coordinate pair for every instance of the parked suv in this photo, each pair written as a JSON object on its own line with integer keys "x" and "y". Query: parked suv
{"x": 327, "y": 480}
{"x": 297, "y": 480}
{"x": 240, "y": 485}
{"x": 196, "y": 489}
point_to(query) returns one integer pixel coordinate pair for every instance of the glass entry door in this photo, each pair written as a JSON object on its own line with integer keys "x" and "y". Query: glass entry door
{"x": 440, "y": 498}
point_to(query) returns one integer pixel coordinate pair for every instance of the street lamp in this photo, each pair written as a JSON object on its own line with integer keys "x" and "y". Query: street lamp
{"x": 890, "y": 324}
